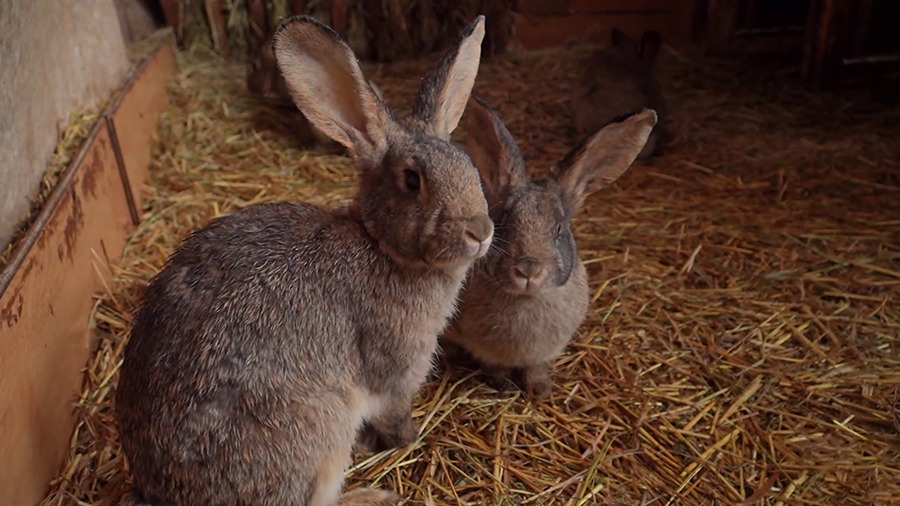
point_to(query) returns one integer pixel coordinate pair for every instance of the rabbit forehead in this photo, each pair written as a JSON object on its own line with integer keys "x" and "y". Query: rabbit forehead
{"x": 536, "y": 207}
{"x": 449, "y": 173}
{"x": 532, "y": 214}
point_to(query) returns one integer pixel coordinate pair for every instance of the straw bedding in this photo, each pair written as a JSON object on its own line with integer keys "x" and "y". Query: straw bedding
{"x": 742, "y": 344}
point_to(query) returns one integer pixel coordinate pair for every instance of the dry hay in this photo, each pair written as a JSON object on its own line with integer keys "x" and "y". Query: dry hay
{"x": 742, "y": 343}
{"x": 71, "y": 136}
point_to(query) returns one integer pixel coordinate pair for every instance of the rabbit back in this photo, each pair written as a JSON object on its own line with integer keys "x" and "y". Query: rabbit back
{"x": 254, "y": 346}
{"x": 247, "y": 341}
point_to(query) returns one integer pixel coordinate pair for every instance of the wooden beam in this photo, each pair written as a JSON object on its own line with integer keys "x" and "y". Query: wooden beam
{"x": 172, "y": 11}
{"x": 216, "y": 17}
{"x": 339, "y": 17}
{"x": 536, "y": 32}
{"x": 259, "y": 26}
{"x": 297, "y": 7}
{"x": 721, "y": 21}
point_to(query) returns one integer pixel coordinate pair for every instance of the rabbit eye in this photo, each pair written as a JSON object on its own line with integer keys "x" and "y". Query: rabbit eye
{"x": 413, "y": 182}
{"x": 558, "y": 230}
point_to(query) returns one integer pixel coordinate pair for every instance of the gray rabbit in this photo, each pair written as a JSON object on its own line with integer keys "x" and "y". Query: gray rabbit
{"x": 618, "y": 79}
{"x": 273, "y": 335}
{"x": 524, "y": 301}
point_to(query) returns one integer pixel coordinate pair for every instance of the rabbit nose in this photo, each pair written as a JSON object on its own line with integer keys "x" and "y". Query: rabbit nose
{"x": 528, "y": 274}
{"x": 480, "y": 232}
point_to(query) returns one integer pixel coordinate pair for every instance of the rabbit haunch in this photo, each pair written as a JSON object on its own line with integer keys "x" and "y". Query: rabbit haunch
{"x": 524, "y": 301}
{"x": 276, "y": 334}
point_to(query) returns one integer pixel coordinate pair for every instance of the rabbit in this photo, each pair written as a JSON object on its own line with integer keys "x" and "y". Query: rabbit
{"x": 272, "y": 336}
{"x": 617, "y": 79}
{"x": 523, "y": 302}
{"x": 265, "y": 81}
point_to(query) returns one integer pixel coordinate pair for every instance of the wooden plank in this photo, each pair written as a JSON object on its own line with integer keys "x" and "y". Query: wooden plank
{"x": 634, "y": 6}
{"x": 259, "y": 26}
{"x": 543, "y": 7}
{"x": 536, "y": 32}
{"x": 46, "y": 290}
{"x": 339, "y": 16}
{"x": 44, "y": 320}
{"x": 138, "y": 113}
{"x": 216, "y": 17}
{"x": 172, "y": 11}
{"x": 297, "y": 7}
{"x": 561, "y": 7}
{"x": 721, "y": 23}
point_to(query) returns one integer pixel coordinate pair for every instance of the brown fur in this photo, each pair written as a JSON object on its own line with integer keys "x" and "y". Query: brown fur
{"x": 524, "y": 301}
{"x": 272, "y": 335}
{"x": 619, "y": 79}
{"x": 265, "y": 81}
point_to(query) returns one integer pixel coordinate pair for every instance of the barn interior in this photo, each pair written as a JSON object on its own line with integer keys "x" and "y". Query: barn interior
{"x": 742, "y": 345}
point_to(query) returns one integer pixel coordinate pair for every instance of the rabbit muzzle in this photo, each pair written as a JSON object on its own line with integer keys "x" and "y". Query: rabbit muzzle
{"x": 526, "y": 276}
{"x": 479, "y": 233}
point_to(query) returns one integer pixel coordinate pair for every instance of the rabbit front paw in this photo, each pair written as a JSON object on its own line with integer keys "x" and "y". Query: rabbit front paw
{"x": 379, "y": 436}
{"x": 536, "y": 381}
{"x": 400, "y": 432}
{"x": 499, "y": 378}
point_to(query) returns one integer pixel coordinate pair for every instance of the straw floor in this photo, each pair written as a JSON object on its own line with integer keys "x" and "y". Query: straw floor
{"x": 742, "y": 344}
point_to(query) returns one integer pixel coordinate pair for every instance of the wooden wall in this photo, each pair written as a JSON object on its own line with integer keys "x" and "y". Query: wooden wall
{"x": 543, "y": 23}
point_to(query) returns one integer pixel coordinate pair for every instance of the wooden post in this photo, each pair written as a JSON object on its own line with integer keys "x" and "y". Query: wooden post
{"x": 259, "y": 26}
{"x": 375, "y": 22}
{"x": 339, "y": 17}
{"x": 297, "y": 7}
{"x": 721, "y": 22}
{"x": 172, "y": 11}
{"x": 216, "y": 18}
{"x": 818, "y": 42}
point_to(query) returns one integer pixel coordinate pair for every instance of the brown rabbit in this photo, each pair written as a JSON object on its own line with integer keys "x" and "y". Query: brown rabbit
{"x": 272, "y": 335}
{"x": 265, "y": 81}
{"x": 616, "y": 80}
{"x": 524, "y": 301}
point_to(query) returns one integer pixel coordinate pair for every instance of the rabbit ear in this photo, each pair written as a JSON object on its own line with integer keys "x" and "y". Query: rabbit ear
{"x": 494, "y": 151}
{"x": 650, "y": 43}
{"x": 621, "y": 40}
{"x": 599, "y": 159}
{"x": 328, "y": 86}
{"x": 446, "y": 88}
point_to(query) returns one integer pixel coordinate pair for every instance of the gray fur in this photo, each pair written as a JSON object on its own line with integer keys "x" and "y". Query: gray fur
{"x": 619, "y": 79}
{"x": 274, "y": 334}
{"x": 524, "y": 301}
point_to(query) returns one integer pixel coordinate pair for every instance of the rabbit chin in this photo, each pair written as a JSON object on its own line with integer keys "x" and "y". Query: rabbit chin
{"x": 458, "y": 261}
{"x": 519, "y": 289}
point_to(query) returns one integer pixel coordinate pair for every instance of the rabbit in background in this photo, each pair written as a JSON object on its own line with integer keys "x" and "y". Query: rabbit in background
{"x": 276, "y": 334}
{"x": 618, "y": 79}
{"x": 523, "y": 302}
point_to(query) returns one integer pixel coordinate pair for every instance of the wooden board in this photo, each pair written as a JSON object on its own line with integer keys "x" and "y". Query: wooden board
{"x": 45, "y": 314}
{"x": 138, "y": 113}
{"x": 46, "y": 290}
{"x": 536, "y": 32}
{"x": 550, "y": 7}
